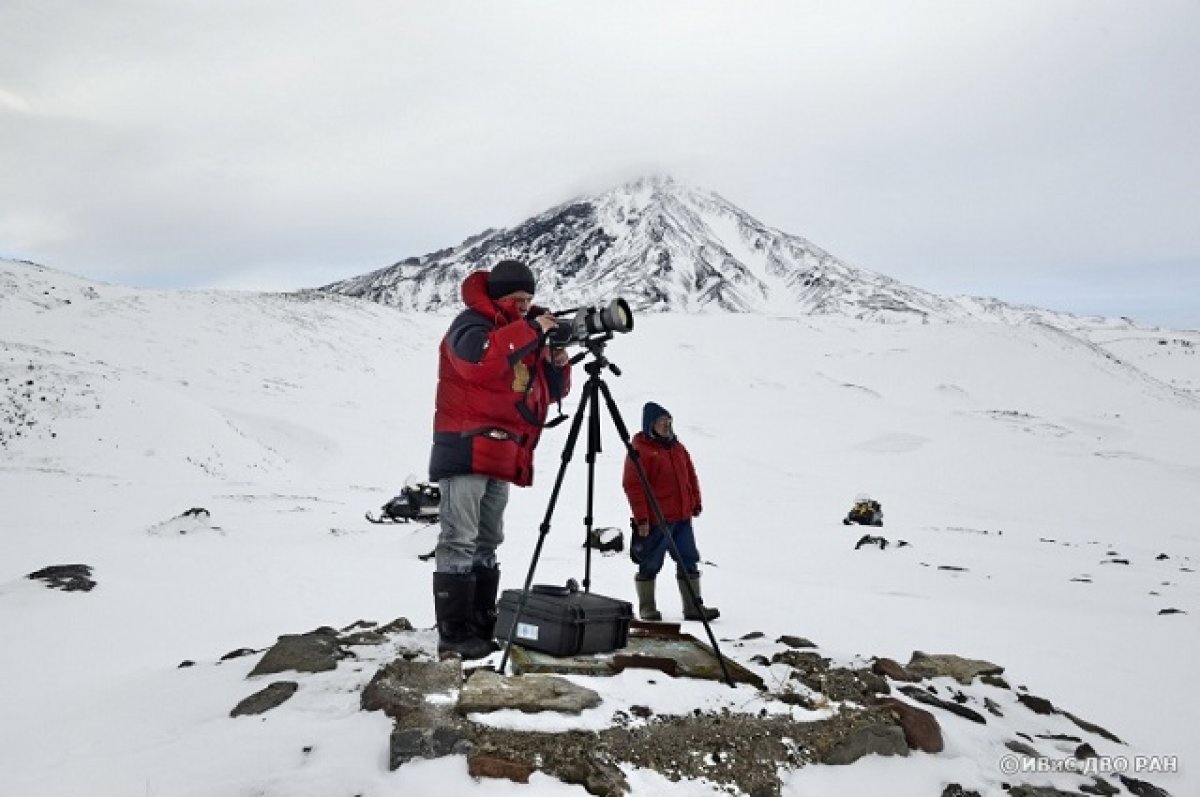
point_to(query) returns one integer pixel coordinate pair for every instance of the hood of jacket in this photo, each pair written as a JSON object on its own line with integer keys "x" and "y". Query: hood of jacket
{"x": 475, "y": 296}
{"x": 651, "y": 412}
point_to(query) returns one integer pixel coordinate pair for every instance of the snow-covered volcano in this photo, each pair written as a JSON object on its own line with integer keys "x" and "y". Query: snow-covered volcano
{"x": 664, "y": 245}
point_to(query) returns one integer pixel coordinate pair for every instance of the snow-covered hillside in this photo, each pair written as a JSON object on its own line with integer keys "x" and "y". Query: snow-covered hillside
{"x": 667, "y": 246}
{"x": 1021, "y": 463}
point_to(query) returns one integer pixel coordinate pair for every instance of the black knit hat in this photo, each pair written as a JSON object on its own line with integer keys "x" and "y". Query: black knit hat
{"x": 509, "y": 276}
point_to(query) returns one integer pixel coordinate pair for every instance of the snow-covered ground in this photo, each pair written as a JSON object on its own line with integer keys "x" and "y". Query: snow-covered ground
{"x": 1028, "y": 457}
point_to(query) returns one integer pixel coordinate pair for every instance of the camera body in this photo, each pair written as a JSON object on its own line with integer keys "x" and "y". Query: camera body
{"x": 582, "y": 324}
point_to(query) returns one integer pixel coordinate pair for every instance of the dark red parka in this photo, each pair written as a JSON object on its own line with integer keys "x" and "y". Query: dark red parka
{"x": 671, "y": 475}
{"x": 495, "y": 384}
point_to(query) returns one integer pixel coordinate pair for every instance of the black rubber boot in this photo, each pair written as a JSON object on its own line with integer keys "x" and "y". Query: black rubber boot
{"x": 453, "y": 603}
{"x": 484, "y": 613}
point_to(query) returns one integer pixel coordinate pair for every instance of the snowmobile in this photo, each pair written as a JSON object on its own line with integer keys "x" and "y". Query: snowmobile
{"x": 865, "y": 512}
{"x": 420, "y": 502}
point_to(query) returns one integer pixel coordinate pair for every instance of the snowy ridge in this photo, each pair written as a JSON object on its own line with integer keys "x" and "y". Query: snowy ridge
{"x": 665, "y": 246}
{"x": 1035, "y": 477}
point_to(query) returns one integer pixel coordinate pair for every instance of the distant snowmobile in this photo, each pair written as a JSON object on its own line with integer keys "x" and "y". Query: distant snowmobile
{"x": 420, "y": 502}
{"x": 865, "y": 512}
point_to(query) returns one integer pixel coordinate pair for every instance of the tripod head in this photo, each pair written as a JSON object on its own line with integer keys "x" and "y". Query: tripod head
{"x": 594, "y": 347}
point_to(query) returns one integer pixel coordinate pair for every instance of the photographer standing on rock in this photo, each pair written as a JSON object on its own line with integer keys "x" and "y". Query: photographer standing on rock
{"x": 672, "y": 478}
{"x": 496, "y": 380}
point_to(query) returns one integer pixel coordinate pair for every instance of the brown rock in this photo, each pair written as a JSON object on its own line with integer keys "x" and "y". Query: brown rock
{"x": 921, "y": 729}
{"x": 894, "y": 670}
{"x": 488, "y": 766}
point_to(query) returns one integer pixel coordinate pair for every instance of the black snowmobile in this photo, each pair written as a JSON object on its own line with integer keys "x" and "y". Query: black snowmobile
{"x": 420, "y": 502}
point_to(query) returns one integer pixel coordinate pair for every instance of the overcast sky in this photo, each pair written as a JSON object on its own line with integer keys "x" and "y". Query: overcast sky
{"x": 1042, "y": 151}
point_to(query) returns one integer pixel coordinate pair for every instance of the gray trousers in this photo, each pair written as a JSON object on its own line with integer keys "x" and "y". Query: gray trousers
{"x": 472, "y": 512}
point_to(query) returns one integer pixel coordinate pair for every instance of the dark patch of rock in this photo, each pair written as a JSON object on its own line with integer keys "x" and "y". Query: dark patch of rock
{"x": 264, "y": 700}
{"x": 239, "y": 653}
{"x": 956, "y": 790}
{"x": 1142, "y": 788}
{"x": 884, "y": 740}
{"x": 795, "y": 641}
{"x": 1022, "y": 748}
{"x": 1085, "y": 750}
{"x": 399, "y": 624}
{"x": 924, "y": 696}
{"x": 316, "y": 651}
{"x": 1038, "y": 705}
{"x": 434, "y": 742}
{"x": 68, "y": 578}
{"x": 1091, "y": 727}
{"x": 1099, "y": 786}
{"x": 400, "y": 687}
{"x": 995, "y": 680}
{"x": 1039, "y": 791}
{"x": 1171, "y": 611}
{"x": 186, "y": 663}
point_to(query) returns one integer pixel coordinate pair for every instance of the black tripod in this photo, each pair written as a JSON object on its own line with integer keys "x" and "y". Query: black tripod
{"x": 592, "y": 389}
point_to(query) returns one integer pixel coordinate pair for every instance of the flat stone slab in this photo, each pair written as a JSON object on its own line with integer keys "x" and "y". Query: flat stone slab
{"x": 487, "y": 691}
{"x": 932, "y": 665}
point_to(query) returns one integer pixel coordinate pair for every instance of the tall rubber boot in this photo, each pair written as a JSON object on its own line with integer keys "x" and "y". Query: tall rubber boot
{"x": 484, "y": 613}
{"x": 453, "y": 603}
{"x": 645, "y": 595}
{"x": 690, "y": 610}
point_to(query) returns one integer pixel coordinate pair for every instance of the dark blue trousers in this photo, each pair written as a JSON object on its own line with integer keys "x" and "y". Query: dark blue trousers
{"x": 651, "y": 550}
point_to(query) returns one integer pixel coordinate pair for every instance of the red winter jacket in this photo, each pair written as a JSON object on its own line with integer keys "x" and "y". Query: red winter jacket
{"x": 495, "y": 385}
{"x": 672, "y": 478}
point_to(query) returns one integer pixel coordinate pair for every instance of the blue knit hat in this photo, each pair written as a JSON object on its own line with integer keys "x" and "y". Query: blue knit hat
{"x": 651, "y": 412}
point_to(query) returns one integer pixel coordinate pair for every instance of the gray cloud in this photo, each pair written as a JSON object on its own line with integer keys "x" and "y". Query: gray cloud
{"x": 991, "y": 148}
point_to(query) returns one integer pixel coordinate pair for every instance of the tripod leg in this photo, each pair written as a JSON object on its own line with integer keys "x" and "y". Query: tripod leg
{"x": 684, "y": 585}
{"x": 589, "y": 395}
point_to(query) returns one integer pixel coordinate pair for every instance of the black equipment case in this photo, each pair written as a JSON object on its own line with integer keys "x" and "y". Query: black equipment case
{"x": 563, "y": 622}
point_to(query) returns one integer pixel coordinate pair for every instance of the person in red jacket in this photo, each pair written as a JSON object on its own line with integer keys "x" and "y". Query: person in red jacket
{"x": 496, "y": 380}
{"x": 672, "y": 477}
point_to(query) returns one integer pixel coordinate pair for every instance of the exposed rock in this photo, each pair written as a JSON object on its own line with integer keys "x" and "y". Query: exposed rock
{"x": 1171, "y": 611}
{"x": 239, "y": 653}
{"x": 960, "y": 669}
{"x": 488, "y": 691}
{"x": 264, "y": 700}
{"x": 409, "y": 743}
{"x": 842, "y": 684}
{"x": 1141, "y": 788}
{"x": 1085, "y": 750}
{"x": 804, "y": 661}
{"x": 68, "y": 578}
{"x": 995, "y": 680}
{"x": 1039, "y": 791}
{"x": 922, "y": 696}
{"x": 1038, "y": 705}
{"x": 921, "y": 729}
{"x": 401, "y": 686}
{"x": 885, "y": 740}
{"x": 1099, "y": 786}
{"x": 955, "y": 790}
{"x": 1022, "y": 748}
{"x": 795, "y": 641}
{"x": 316, "y": 651}
{"x": 893, "y": 669}
{"x": 397, "y": 625}
{"x": 488, "y": 766}
{"x": 992, "y": 707}
{"x": 1091, "y": 727}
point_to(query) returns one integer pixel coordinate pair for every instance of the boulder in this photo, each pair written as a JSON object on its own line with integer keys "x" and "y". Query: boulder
{"x": 921, "y": 729}
{"x": 316, "y": 651}
{"x": 264, "y": 700}
{"x": 885, "y": 740}
{"x": 932, "y": 665}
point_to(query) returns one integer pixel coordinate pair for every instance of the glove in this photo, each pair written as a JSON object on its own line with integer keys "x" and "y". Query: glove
{"x": 696, "y": 512}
